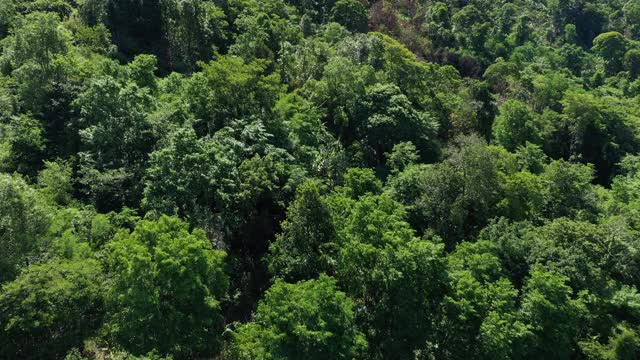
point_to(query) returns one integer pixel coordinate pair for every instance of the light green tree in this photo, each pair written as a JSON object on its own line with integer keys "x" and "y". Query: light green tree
{"x": 611, "y": 46}
{"x": 515, "y": 126}
{"x": 24, "y": 220}
{"x": 308, "y": 320}
{"x": 51, "y": 308}
{"x": 166, "y": 292}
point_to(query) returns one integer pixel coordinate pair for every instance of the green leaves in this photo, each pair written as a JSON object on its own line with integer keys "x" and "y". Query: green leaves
{"x": 396, "y": 279}
{"x": 515, "y": 126}
{"x": 219, "y": 179}
{"x": 51, "y": 308}
{"x": 194, "y": 29}
{"x": 378, "y": 197}
{"x": 167, "y": 287}
{"x": 387, "y": 118}
{"x": 351, "y": 14}
{"x": 24, "y": 220}
{"x": 307, "y": 320}
{"x": 227, "y": 89}
{"x": 116, "y": 139}
{"x": 37, "y": 37}
{"x": 611, "y": 46}
{"x": 549, "y": 307}
{"x": 569, "y": 189}
{"x": 306, "y": 246}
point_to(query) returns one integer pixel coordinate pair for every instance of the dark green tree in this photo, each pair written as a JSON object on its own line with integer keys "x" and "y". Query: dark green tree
{"x": 307, "y": 245}
{"x": 569, "y": 191}
{"x": 350, "y": 14}
{"x": 632, "y": 63}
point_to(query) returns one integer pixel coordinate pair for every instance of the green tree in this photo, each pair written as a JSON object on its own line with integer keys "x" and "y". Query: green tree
{"x": 117, "y": 138}
{"x": 596, "y": 131}
{"x": 307, "y": 320}
{"x": 31, "y": 52}
{"x": 476, "y": 166}
{"x": 438, "y": 25}
{"x": 568, "y": 189}
{"x": 264, "y": 26}
{"x": 194, "y": 29}
{"x": 470, "y": 27}
{"x": 305, "y": 132}
{"x": 306, "y": 246}
{"x": 524, "y": 197}
{"x": 549, "y": 90}
{"x": 403, "y": 155}
{"x": 350, "y": 14}
{"x": 166, "y": 292}
{"x": 480, "y": 308}
{"x": 317, "y": 10}
{"x": 625, "y": 186}
{"x": 500, "y": 75}
{"x": 24, "y": 220}
{"x": 623, "y": 344}
{"x": 397, "y": 279}
{"x": 136, "y": 27}
{"x": 632, "y": 16}
{"x": 37, "y": 37}
{"x": 238, "y": 170}
{"x": 173, "y": 187}
{"x": 549, "y": 307}
{"x": 455, "y": 198}
{"x": 142, "y": 71}
{"x": 7, "y": 14}
{"x": 570, "y": 34}
{"x": 632, "y": 63}
{"x": 340, "y": 100}
{"x": 229, "y": 89}
{"x": 435, "y": 194}
{"x": 25, "y": 142}
{"x": 51, "y": 308}
{"x": 611, "y": 46}
{"x": 577, "y": 250}
{"x": 361, "y": 181}
{"x": 56, "y": 182}
{"x": 531, "y": 158}
{"x": 387, "y": 118}
{"x": 515, "y": 126}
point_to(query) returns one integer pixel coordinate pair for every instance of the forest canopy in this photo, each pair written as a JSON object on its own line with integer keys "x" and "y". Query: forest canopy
{"x": 326, "y": 179}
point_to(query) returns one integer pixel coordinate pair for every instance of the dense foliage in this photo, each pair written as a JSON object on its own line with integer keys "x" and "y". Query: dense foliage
{"x": 327, "y": 179}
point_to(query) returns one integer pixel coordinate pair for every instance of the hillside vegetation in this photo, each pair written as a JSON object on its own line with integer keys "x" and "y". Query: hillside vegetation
{"x": 320, "y": 179}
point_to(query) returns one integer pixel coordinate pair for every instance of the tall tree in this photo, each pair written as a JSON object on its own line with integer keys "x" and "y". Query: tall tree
{"x": 306, "y": 246}
{"x": 24, "y": 221}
